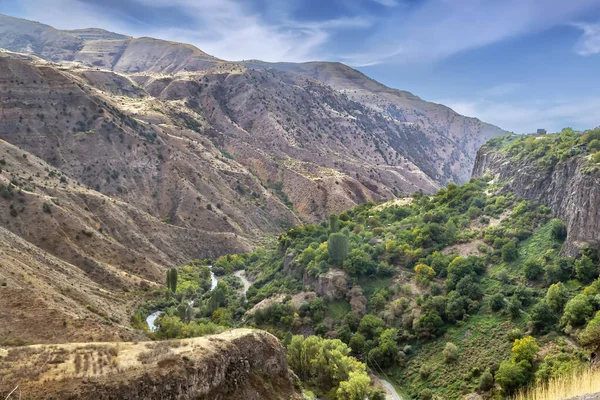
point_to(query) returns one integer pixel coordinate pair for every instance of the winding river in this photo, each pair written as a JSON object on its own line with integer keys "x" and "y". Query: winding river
{"x": 151, "y": 319}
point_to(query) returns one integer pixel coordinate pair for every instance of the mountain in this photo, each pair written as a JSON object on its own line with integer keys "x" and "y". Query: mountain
{"x": 557, "y": 170}
{"x": 122, "y": 157}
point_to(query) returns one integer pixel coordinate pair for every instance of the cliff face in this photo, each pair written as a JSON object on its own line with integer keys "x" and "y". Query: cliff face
{"x": 565, "y": 187}
{"x": 239, "y": 364}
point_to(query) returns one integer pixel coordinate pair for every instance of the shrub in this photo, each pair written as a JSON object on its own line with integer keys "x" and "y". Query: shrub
{"x": 425, "y": 372}
{"x": 533, "y": 269}
{"x": 486, "y": 382}
{"x": 450, "y": 352}
{"x": 585, "y": 269}
{"x": 578, "y": 310}
{"x": 426, "y": 394}
{"x": 47, "y": 208}
{"x": 596, "y": 157}
{"x": 514, "y": 307}
{"x": 509, "y": 252}
{"x": 594, "y": 145}
{"x": 497, "y": 302}
{"x": 511, "y": 376}
{"x": 559, "y": 230}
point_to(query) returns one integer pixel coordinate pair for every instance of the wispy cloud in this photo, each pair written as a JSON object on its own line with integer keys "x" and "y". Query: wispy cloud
{"x": 590, "y": 40}
{"x": 387, "y": 3}
{"x": 426, "y": 31}
{"x": 440, "y": 28}
{"x": 229, "y": 29}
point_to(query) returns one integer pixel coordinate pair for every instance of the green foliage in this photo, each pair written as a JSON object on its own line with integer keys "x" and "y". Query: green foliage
{"x": 327, "y": 365}
{"x": 496, "y": 302}
{"x": 578, "y": 310}
{"x": 559, "y": 230}
{"x": 556, "y": 297}
{"x": 585, "y": 269}
{"x": 533, "y": 269}
{"x": 486, "y": 381}
{"x": 450, "y": 352}
{"x": 337, "y": 246}
{"x": 512, "y": 374}
{"x": 334, "y": 223}
{"x": 509, "y": 252}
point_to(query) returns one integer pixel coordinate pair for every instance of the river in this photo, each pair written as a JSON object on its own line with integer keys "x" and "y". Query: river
{"x": 151, "y": 319}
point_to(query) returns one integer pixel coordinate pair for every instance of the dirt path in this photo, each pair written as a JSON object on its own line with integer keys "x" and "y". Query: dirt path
{"x": 242, "y": 275}
{"x": 390, "y": 391}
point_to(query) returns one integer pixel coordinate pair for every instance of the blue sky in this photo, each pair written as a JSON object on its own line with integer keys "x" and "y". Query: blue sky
{"x": 520, "y": 64}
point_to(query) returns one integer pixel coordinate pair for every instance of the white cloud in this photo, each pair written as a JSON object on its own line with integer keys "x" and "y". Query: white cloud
{"x": 228, "y": 29}
{"x": 440, "y": 28}
{"x": 590, "y": 40}
{"x": 526, "y": 117}
{"x": 387, "y": 3}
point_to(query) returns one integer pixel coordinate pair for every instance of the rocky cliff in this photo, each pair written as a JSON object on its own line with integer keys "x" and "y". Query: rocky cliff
{"x": 570, "y": 189}
{"x": 238, "y": 364}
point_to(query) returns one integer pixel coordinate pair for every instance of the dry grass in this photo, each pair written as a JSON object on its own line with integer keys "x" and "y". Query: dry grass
{"x": 579, "y": 383}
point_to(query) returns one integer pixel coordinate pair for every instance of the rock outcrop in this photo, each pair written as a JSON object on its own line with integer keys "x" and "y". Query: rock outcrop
{"x": 235, "y": 365}
{"x": 567, "y": 188}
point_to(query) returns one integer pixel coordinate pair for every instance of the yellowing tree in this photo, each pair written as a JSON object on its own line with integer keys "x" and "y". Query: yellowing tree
{"x": 423, "y": 274}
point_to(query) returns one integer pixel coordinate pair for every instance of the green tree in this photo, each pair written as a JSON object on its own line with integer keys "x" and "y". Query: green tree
{"x": 169, "y": 279}
{"x": 585, "y": 269}
{"x": 173, "y": 280}
{"x": 450, "y": 231}
{"x": 509, "y": 251}
{"x": 357, "y": 387}
{"x": 511, "y": 376}
{"x": 594, "y": 145}
{"x": 334, "y": 223}
{"x": 556, "y": 297}
{"x": 533, "y": 269}
{"x": 578, "y": 310}
{"x": 496, "y": 302}
{"x": 558, "y": 228}
{"x": 542, "y": 317}
{"x": 514, "y": 307}
{"x": 337, "y": 246}
{"x": 357, "y": 263}
{"x": 357, "y": 343}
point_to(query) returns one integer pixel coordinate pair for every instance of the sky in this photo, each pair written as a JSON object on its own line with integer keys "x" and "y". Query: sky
{"x": 519, "y": 64}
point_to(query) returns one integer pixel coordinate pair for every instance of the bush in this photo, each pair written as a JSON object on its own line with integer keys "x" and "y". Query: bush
{"x": 509, "y": 252}
{"x": 425, "y": 372}
{"x": 559, "y": 230}
{"x": 585, "y": 269}
{"x": 533, "y": 269}
{"x": 450, "y": 352}
{"x": 497, "y": 302}
{"x": 578, "y": 310}
{"x": 596, "y": 157}
{"x": 426, "y": 394}
{"x": 514, "y": 307}
{"x": 511, "y": 376}
{"x": 486, "y": 382}
{"x": 594, "y": 145}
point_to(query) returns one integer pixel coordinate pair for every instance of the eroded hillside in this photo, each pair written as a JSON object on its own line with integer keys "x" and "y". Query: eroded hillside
{"x": 239, "y": 364}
